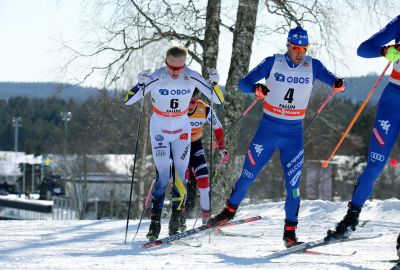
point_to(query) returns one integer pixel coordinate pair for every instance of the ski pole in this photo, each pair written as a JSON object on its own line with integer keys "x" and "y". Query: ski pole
{"x": 321, "y": 108}
{"x": 211, "y": 159}
{"x": 134, "y": 166}
{"x": 238, "y": 120}
{"x": 211, "y": 150}
{"x": 146, "y": 203}
{"x": 326, "y": 162}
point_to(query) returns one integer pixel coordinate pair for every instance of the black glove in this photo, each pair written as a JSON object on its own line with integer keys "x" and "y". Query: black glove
{"x": 339, "y": 83}
{"x": 260, "y": 90}
{"x": 385, "y": 48}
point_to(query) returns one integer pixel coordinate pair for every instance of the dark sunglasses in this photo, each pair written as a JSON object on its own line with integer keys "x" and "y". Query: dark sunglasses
{"x": 175, "y": 68}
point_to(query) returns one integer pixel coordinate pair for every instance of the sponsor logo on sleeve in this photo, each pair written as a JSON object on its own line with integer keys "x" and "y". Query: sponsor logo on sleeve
{"x": 258, "y": 148}
{"x": 385, "y": 125}
{"x": 295, "y": 158}
{"x": 290, "y": 79}
{"x": 376, "y": 157}
{"x": 160, "y": 146}
{"x": 185, "y": 152}
{"x": 184, "y": 136}
{"x": 378, "y": 137}
{"x": 295, "y": 167}
{"x": 295, "y": 178}
{"x": 199, "y": 153}
{"x": 171, "y": 131}
{"x": 163, "y": 92}
{"x": 174, "y": 92}
{"x": 251, "y": 158}
{"x": 159, "y": 138}
{"x": 296, "y": 192}
{"x": 279, "y": 77}
{"x": 196, "y": 123}
{"x": 247, "y": 173}
{"x": 160, "y": 153}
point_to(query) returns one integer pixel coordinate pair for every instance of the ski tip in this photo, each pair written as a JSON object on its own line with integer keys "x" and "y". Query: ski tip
{"x": 370, "y": 236}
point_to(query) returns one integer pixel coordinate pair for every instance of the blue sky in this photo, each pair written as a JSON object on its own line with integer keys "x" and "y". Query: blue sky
{"x": 31, "y": 32}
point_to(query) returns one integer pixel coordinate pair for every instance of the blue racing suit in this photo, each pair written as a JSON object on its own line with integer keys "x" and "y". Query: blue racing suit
{"x": 281, "y": 126}
{"x": 387, "y": 120}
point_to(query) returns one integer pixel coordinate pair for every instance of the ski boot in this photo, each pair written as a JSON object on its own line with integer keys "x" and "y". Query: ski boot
{"x": 190, "y": 204}
{"x": 205, "y": 216}
{"x": 347, "y": 225}
{"x": 182, "y": 221}
{"x": 289, "y": 234}
{"x": 174, "y": 222}
{"x": 155, "y": 228}
{"x": 226, "y": 214}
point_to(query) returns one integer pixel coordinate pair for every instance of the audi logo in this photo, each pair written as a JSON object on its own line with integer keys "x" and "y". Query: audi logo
{"x": 377, "y": 156}
{"x": 247, "y": 173}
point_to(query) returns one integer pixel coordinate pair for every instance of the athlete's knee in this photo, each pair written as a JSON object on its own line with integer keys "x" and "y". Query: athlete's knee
{"x": 159, "y": 192}
{"x": 374, "y": 169}
{"x": 247, "y": 175}
{"x": 242, "y": 184}
{"x": 160, "y": 187}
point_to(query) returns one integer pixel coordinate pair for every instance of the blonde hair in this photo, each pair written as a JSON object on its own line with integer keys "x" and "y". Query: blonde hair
{"x": 177, "y": 51}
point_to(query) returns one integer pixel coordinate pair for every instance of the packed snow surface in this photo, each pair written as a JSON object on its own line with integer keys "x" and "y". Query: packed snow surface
{"x": 99, "y": 244}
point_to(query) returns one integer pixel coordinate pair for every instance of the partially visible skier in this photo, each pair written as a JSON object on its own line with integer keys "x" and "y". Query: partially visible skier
{"x": 289, "y": 79}
{"x": 171, "y": 88}
{"x": 199, "y": 114}
{"x": 398, "y": 246}
{"x": 386, "y": 126}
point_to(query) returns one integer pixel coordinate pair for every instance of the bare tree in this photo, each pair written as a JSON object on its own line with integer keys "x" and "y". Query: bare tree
{"x": 128, "y": 29}
{"x": 241, "y": 52}
{"x": 131, "y": 26}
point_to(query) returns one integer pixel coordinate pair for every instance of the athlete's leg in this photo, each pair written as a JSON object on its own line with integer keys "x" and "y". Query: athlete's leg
{"x": 199, "y": 165}
{"x": 259, "y": 153}
{"x": 180, "y": 150}
{"x": 292, "y": 158}
{"x": 161, "y": 156}
{"x": 383, "y": 137}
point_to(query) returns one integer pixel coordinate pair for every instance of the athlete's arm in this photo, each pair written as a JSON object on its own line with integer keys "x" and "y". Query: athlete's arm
{"x": 137, "y": 92}
{"x": 372, "y": 46}
{"x": 206, "y": 88}
{"x": 246, "y": 84}
{"x": 320, "y": 72}
{"x": 213, "y": 120}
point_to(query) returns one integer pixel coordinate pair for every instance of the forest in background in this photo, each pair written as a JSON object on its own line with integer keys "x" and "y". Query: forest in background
{"x": 102, "y": 124}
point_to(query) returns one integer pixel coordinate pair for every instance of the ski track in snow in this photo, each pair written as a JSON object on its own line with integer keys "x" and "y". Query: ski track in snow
{"x": 93, "y": 244}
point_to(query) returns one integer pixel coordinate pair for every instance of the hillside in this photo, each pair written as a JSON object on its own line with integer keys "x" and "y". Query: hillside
{"x": 45, "y": 90}
{"x": 358, "y": 88}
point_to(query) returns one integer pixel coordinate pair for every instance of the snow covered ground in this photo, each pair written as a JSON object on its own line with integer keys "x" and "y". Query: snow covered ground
{"x": 100, "y": 244}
